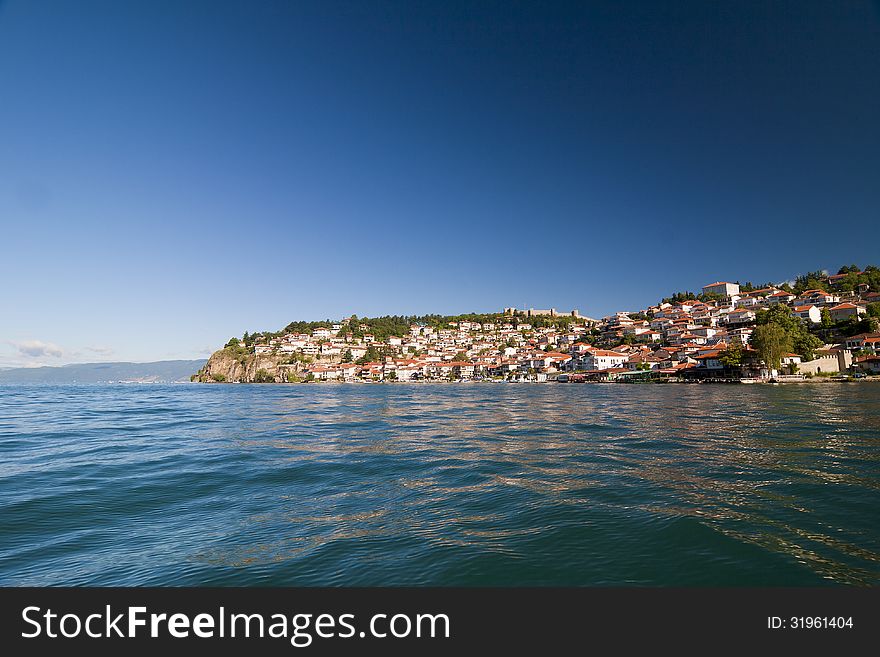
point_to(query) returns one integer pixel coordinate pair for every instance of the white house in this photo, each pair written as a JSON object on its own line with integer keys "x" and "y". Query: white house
{"x": 863, "y": 341}
{"x": 741, "y": 316}
{"x": 704, "y": 331}
{"x": 408, "y": 372}
{"x": 297, "y": 341}
{"x": 602, "y": 359}
{"x": 348, "y": 370}
{"x": 780, "y": 297}
{"x": 723, "y": 288}
{"x": 817, "y": 297}
{"x": 324, "y": 373}
{"x": 808, "y": 313}
{"x": 637, "y": 329}
{"x": 740, "y": 335}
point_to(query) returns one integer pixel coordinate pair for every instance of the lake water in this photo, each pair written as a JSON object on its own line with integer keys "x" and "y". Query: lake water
{"x": 440, "y": 484}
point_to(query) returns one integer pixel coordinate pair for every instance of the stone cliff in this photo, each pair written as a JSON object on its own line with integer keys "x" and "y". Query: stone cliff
{"x": 235, "y": 365}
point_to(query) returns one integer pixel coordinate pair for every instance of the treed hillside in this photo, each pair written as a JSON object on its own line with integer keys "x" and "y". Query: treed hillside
{"x": 398, "y": 325}
{"x": 847, "y": 279}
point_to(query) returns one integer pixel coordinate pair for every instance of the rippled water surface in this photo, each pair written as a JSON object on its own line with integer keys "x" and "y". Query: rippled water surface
{"x": 440, "y": 484}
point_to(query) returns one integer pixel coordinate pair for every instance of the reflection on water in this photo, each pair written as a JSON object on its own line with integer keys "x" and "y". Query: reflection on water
{"x": 440, "y": 484}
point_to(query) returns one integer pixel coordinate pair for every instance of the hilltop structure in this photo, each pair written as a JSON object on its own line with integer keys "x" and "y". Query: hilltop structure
{"x": 552, "y": 312}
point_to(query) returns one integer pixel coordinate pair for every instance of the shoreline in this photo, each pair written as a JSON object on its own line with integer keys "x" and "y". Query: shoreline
{"x": 813, "y": 380}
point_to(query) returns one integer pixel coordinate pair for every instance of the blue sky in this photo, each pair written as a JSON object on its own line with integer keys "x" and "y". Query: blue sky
{"x": 174, "y": 173}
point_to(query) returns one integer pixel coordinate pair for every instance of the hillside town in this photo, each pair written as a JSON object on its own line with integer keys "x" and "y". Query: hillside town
{"x": 730, "y": 333}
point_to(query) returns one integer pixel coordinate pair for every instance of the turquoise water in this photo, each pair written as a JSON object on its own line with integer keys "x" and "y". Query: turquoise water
{"x": 440, "y": 484}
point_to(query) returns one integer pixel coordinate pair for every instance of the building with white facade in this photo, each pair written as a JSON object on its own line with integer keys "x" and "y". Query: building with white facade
{"x": 723, "y": 288}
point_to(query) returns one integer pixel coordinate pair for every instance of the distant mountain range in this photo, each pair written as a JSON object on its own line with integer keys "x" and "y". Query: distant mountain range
{"x": 163, "y": 371}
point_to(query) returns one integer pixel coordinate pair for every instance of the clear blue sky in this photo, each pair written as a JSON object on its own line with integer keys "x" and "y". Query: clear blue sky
{"x": 174, "y": 173}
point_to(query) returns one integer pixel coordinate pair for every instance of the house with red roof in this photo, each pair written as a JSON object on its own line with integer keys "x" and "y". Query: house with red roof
{"x": 809, "y": 313}
{"x": 868, "y": 364}
{"x": 603, "y": 359}
{"x": 816, "y": 297}
{"x": 846, "y": 310}
{"x": 779, "y": 297}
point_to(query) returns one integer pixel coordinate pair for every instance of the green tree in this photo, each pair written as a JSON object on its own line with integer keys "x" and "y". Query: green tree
{"x": 874, "y": 309}
{"x": 772, "y": 343}
{"x": 460, "y": 356}
{"x": 346, "y": 357}
{"x": 802, "y": 341}
{"x": 678, "y": 297}
{"x": 814, "y": 280}
{"x": 262, "y": 376}
{"x": 805, "y": 344}
{"x": 371, "y": 356}
{"x": 732, "y": 356}
{"x": 233, "y": 342}
{"x": 827, "y": 322}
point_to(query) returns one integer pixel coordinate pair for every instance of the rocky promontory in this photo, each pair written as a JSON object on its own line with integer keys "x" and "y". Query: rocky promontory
{"x": 236, "y": 364}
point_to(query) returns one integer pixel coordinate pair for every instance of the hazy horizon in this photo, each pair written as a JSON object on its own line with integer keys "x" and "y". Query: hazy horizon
{"x": 103, "y": 362}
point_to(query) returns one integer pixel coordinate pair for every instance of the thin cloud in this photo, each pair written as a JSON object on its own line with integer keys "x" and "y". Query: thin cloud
{"x": 101, "y": 351}
{"x": 38, "y": 349}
